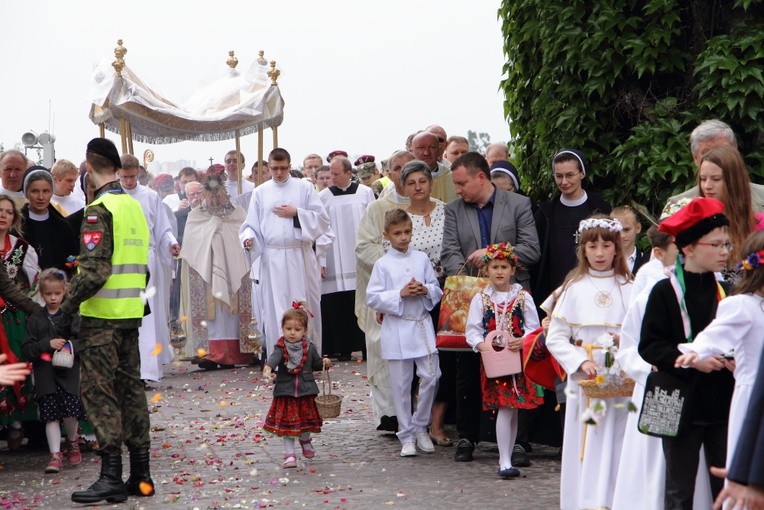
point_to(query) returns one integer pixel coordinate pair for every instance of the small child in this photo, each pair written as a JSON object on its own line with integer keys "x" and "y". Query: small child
{"x": 591, "y": 302}
{"x": 293, "y": 413}
{"x": 737, "y": 329}
{"x": 635, "y": 258}
{"x": 57, "y": 389}
{"x": 403, "y": 289}
{"x": 677, "y": 310}
{"x": 503, "y": 306}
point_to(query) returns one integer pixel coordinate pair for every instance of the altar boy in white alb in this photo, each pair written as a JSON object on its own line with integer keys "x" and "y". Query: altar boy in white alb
{"x": 345, "y": 202}
{"x": 284, "y": 218}
{"x": 155, "y": 328}
{"x": 403, "y": 289}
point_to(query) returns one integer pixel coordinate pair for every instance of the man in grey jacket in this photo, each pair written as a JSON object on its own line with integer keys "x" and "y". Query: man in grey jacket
{"x": 482, "y": 215}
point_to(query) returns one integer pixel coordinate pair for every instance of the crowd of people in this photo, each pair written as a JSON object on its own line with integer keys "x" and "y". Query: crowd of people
{"x": 351, "y": 258}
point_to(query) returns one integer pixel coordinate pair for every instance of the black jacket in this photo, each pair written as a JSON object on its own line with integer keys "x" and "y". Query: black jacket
{"x": 662, "y": 331}
{"x": 295, "y": 385}
{"x": 41, "y": 329}
{"x": 541, "y": 287}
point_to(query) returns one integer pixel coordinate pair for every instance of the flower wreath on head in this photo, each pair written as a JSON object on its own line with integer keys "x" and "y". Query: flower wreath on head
{"x": 610, "y": 224}
{"x": 501, "y": 251}
{"x": 752, "y": 261}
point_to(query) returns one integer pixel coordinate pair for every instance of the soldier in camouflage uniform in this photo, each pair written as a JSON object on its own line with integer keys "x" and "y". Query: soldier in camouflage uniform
{"x": 106, "y": 291}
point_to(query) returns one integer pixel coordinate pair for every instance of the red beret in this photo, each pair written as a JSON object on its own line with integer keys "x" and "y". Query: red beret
{"x": 336, "y": 153}
{"x": 163, "y": 180}
{"x": 366, "y": 158}
{"x": 693, "y": 221}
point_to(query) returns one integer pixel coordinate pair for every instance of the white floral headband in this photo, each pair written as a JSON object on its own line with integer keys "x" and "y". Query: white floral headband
{"x": 610, "y": 224}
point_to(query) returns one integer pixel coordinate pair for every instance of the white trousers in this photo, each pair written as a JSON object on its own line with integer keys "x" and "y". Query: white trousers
{"x": 401, "y": 375}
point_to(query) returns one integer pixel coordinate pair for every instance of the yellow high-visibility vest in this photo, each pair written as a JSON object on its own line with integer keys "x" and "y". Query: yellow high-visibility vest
{"x": 120, "y": 297}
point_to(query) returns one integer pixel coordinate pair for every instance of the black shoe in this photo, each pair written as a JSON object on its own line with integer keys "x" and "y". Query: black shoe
{"x": 519, "y": 457}
{"x": 140, "y": 482}
{"x": 388, "y": 424}
{"x": 464, "y": 449}
{"x": 509, "y": 473}
{"x": 208, "y": 365}
{"x": 109, "y": 485}
{"x": 227, "y": 367}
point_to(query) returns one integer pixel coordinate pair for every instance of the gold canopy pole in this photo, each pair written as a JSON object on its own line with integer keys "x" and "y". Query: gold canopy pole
{"x": 119, "y": 63}
{"x": 260, "y": 155}
{"x": 129, "y": 137}
{"x": 238, "y": 161}
{"x": 123, "y": 134}
{"x": 232, "y": 63}
{"x": 273, "y": 74}
{"x": 101, "y": 130}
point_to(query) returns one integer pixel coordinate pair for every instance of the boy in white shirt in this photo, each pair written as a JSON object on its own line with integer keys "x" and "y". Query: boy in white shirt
{"x": 403, "y": 289}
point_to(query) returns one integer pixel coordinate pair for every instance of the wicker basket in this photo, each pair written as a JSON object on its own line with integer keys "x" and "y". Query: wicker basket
{"x": 593, "y": 390}
{"x": 63, "y": 358}
{"x": 328, "y": 405}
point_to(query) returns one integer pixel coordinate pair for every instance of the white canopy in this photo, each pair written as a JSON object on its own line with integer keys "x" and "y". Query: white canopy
{"x": 245, "y": 103}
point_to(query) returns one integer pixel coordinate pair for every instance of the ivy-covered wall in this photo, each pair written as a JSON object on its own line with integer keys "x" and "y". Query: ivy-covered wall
{"x": 626, "y": 81}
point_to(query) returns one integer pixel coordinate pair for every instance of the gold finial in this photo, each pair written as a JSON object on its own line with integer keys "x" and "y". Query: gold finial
{"x": 119, "y": 52}
{"x": 148, "y": 157}
{"x": 232, "y": 61}
{"x": 261, "y": 58}
{"x": 274, "y": 73}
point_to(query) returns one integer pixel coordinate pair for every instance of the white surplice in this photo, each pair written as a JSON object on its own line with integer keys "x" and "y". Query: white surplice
{"x": 287, "y": 267}
{"x": 155, "y": 328}
{"x": 642, "y": 469}
{"x": 345, "y": 212}
{"x": 588, "y": 483}
{"x": 738, "y": 327}
{"x": 370, "y": 248}
{"x": 68, "y": 204}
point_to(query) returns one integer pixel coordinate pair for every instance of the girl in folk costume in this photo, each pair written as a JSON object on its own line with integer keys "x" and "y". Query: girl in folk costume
{"x": 293, "y": 413}
{"x": 503, "y": 306}
{"x": 591, "y": 302}
{"x": 738, "y": 330}
{"x": 20, "y": 261}
{"x": 678, "y": 309}
{"x": 57, "y": 389}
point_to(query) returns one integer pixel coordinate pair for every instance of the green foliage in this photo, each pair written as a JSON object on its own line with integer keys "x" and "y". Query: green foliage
{"x": 626, "y": 81}
{"x": 478, "y": 141}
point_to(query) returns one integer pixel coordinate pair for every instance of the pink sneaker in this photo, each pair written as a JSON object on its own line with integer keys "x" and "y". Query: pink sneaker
{"x": 73, "y": 455}
{"x": 55, "y": 464}
{"x": 307, "y": 449}
{"x": 290, "y": 460}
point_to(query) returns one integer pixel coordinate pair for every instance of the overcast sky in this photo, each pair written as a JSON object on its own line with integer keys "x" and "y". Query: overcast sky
{"x": 355, "y": 75}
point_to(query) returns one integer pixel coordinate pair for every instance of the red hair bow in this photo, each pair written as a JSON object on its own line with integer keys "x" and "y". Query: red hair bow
{"x": 298, "y": 306}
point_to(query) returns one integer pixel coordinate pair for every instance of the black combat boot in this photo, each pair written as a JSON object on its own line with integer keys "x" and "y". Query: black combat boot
{"x": 109, "y": 485}
{"x": 140, "y": 482}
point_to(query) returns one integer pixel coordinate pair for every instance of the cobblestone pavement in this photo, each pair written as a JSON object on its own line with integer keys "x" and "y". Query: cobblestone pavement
{"x": 209, "y": 451}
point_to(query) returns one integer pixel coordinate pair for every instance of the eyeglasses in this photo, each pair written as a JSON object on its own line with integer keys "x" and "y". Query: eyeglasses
{"x": 718, "y": 246}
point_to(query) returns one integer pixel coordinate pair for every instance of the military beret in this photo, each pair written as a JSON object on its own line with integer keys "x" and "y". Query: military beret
{"x": 105, "y": 148}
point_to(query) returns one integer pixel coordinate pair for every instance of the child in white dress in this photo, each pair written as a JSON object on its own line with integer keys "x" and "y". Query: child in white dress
{"x": 591, "y": 302}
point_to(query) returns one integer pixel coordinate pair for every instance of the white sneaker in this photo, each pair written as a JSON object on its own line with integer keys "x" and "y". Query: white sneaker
{"x": 424, "y": 442}
{"x": 408, "y": 450}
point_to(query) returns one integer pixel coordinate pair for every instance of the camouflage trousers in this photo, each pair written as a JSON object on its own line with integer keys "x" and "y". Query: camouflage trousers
{"x": 111, "y": 388}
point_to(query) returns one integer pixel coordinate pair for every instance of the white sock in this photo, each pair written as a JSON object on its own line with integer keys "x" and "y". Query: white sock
{"x": 53, "y": 433}
{"x": 506, "y": 433}
{"x": 289, "y": 445}
{"x": 71, "y": 425}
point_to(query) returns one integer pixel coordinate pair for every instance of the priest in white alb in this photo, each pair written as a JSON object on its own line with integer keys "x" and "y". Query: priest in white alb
{"x": 345, "y": 202}
{"x": 154, "y": 333}
{"x": 285, "y": 218}
{"x": 370, "y": 248}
